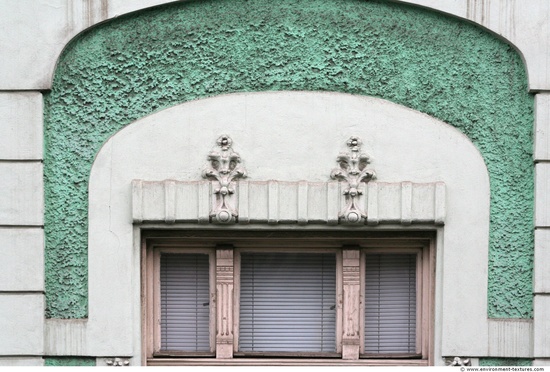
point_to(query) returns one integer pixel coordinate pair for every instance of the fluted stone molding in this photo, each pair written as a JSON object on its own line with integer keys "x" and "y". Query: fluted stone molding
{"x": 352, "y": 171}
{"x": 224, "y": 168}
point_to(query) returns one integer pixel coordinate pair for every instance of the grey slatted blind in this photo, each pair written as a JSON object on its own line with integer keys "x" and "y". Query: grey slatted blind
{"x": 390, "y": 303}
{"x": 288, "y": 302}
{"x": 184, "y": 302}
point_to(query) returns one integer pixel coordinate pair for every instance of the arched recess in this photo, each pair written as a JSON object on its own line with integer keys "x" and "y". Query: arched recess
{"x": 277, "y": 135}
{"x": 137, "y": 64}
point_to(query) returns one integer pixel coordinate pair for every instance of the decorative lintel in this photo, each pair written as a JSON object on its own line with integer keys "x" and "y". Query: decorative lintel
{"x": 301, "y": 202}
{"x": 225, "y": 198}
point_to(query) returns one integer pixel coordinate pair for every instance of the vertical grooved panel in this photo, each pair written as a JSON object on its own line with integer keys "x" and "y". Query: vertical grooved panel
{"x": 187, "y": 202}
{"x": 258, "y": 202}
{"x": 511, "y": 338}
{"x": 153, "y": 201}
{"x": 288, "y": 202}
{"x": 440, "y": 208}
{"x": 406, "y": 203}
{"x": 204, "y": 198}
{"x": 302, "y": 202}
{"x": 137, "y": 200}
{"x": 273, "y": 202}
{"x": 317, "y": 202}
{"x": 170, "y": 201}
{"x": 333, "y": 202}
{"x": 242, "y": 189}
{"x": 372, "y": 203}
{"x": 65, "y": 337}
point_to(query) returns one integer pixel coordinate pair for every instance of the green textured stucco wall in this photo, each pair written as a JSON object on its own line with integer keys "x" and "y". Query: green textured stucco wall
{"x": 69, "y": 362}
{"x": 132, "y": 66}
{"x": 501, "y": 362}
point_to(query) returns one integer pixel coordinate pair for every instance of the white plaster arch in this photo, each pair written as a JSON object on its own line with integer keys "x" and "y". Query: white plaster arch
{"x": 37, "y": 32}
{"x": 289, "y": 136}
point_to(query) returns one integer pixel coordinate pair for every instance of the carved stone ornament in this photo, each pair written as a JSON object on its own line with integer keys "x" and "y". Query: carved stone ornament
{"x": 458, "y": 362}
{"x": 224, "y": 168}
{"x": 117, "y": 362}
{"x": 353, "y": 171}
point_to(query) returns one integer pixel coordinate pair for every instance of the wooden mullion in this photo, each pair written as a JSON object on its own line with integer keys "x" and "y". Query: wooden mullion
{"x": 236, "y": 299}
{"x": 420, "y": 304}
{"x": 430, "y": 311}
{"x": 147, "y": 327}
{"x": 156, "y": 301}
{"x": 351, "y": 283}
{"x": 339, "y": 300}
{"x": 224, "y": 300}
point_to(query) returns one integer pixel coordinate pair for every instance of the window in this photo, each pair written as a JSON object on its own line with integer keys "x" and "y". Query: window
{"x": 390, "y": 304}
{"x": 291, "y": 296}
{"x": 287, "y": 303}
{"x": 182, "y": 289}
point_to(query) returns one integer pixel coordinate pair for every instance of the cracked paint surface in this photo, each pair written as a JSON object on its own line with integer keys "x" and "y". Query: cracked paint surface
{"x": 124, "y": 69}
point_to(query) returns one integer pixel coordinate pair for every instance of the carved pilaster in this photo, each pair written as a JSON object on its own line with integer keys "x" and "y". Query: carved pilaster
{"x": 351, "y": 306}
{"x": 224, "y": 294}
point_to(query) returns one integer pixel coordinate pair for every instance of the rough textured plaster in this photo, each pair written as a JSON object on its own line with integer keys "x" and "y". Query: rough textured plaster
{"x": 69, "y": 362}
{"x": 501, "y": 362}
{"x": 141, "y": 63}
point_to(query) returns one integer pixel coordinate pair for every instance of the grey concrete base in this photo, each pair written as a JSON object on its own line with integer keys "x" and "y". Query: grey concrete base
{"x": 21, "y": 362}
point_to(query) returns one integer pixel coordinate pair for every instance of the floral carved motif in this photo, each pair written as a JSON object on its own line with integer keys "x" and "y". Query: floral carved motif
{"x": 353, "y": 171}
{"x": 224, "y": 168}
{"x": 117, "y": 362}
{"x": 458, "y": 362}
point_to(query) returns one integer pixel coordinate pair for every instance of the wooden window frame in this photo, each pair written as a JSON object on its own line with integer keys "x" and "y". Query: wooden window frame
{"x": 154, "y": 243}
{"x": 154, "y": 301}
{"x": 425, "y": 269}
